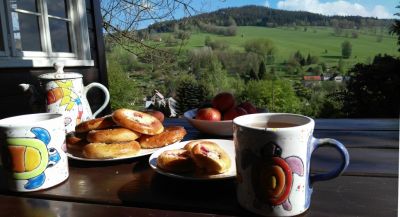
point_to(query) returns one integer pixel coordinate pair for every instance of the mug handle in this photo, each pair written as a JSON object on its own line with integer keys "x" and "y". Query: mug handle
{"x": 106, "y": 94}
{"x": 317, "y": 143}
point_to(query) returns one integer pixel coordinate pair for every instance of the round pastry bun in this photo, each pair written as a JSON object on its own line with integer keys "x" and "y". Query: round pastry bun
{"x": 210, "y": 157}
{"x": 170, "y": 135}
{"x": 178, "y": 161}
{"x": 138, "y": 121}
{"x": 113, "y": 135}
{"x": 191, "y": 144}
{"x": 95, "y": 124}
{"x": 113, "y": 150}
{"x": 76, "y": 141}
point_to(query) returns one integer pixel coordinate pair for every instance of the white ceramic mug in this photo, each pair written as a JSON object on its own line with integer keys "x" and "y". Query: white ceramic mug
{"x": 33, "y": 151}
{"x": 273, "y": 155}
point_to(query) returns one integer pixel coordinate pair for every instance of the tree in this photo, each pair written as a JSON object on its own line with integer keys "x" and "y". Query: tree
{"x": 373, "y": 89}
{"x": 189, "y": 93}
{"x": 299, "y": 58}
{"x": 395, "y": 28}
{"x": 261, "y": 46}
{"x": 346, "y": 49}
{"x": 207, "y": 41}
{"x": 275, "y": 95}
{"x": 253, "y": 75}
{"x": 124, "y": 92}
{"x": 341, "y": 66}
{"x": 262, "y": 70}
{"x": 122, "y": 20}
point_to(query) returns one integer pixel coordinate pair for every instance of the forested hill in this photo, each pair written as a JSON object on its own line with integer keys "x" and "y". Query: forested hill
{"x": 262, "y": 16}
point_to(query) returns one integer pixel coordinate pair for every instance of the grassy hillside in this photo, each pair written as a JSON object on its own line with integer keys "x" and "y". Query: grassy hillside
{"x": 318, "y": 41}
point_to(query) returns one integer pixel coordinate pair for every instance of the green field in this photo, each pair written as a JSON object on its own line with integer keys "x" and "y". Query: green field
{"x": 318, "y": 41}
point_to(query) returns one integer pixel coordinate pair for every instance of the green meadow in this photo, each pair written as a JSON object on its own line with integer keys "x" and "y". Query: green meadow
{"x": 316, "y": 41}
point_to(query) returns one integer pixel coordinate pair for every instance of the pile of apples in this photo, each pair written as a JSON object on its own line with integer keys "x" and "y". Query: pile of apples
{"x": 224, "y": 107}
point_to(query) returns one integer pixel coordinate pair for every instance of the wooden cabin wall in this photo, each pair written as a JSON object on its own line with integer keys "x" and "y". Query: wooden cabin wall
{"x": 14, "y": 102}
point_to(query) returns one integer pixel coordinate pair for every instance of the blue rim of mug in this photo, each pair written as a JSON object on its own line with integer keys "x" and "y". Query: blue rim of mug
{"x": 308, "y": 120}
{"x": 27, "y": 120}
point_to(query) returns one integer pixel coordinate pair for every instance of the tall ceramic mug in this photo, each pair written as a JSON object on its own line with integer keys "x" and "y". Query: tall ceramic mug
{"x": 66, "y": 94}
{"x": 33, "y": 151}
{"x": 273, "y": 153}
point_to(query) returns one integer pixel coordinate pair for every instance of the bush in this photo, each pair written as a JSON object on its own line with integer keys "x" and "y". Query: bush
{"x": 275, "y": 95}
{"x": 261, "y": 46}
{"x": 217, "y": 44}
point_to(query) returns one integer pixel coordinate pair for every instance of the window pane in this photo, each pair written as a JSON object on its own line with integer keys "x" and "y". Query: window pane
{"x": 1, "y": 38}
{"x": 29, "y": 5}
{"x": 59, "y": 32}
{"x": 26, "y": 32}
{"x": 57, "y": 8}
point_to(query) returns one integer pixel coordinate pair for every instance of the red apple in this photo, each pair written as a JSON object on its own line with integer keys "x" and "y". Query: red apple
{"x": 157, "y": 114}
{"x": 223, "y": 101}
{"x": 249, "y": 107}
{"x": 209, "y": 114}
{"x": 233, "y": 113}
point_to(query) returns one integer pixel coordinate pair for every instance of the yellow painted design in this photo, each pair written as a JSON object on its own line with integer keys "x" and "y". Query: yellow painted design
{"x": 68, "y": 94}
{"x": 32, "y": 158}
{"x": 65, "y": 84}
{"x": 273, "y": 182}
{"x": 34, "y": 144}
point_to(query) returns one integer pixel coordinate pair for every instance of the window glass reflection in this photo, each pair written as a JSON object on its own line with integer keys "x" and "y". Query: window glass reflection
{"x": 57, "y": 8}
{"x": 26, "y": 32}
{"x": 29, "y": 5}
{"x": 59, "y": 32}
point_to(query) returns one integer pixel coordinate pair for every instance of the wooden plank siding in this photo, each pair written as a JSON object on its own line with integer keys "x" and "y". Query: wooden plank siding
{"x": 14, "y": 102}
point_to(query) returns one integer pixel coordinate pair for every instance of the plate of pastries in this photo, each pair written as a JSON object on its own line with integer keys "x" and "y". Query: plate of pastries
{"x": 124, "y": 134}
{"x": 196, "y": 159}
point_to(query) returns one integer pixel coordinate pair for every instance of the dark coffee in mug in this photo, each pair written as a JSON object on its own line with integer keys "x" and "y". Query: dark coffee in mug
{"x": 272, "y": 124}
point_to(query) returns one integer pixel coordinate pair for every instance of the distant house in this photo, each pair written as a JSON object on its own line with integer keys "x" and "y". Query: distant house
{"x": 338, "y": 78}
{"x": 312, "y": 78}
{"x": 36, "y": 34}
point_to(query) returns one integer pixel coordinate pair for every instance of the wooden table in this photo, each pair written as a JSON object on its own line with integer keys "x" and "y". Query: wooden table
{"x": 369, "y": 187}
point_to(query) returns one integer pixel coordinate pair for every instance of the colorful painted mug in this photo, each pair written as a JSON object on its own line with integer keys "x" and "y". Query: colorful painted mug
{"x": 33, "y": 151}
{"x": 273, "y": 153}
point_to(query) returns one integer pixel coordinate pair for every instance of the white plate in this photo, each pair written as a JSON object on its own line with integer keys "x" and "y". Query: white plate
{"x": 141, "y": 153}
{"x": 227, "y": 145}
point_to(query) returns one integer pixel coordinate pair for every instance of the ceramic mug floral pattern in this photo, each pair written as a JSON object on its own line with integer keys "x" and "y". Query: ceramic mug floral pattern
{"x": 273, "y": 164}
{"x": 33, "y": 151}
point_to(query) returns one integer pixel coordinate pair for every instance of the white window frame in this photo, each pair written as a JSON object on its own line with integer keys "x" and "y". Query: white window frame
{"x": 78, "y": 30}
{"x": 3, "y": 26}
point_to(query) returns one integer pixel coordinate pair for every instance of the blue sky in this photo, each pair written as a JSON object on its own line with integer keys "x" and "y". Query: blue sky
{"x": 367, "y": 8}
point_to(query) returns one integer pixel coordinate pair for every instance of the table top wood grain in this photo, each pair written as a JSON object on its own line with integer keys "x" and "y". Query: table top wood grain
{"x": 369, "y": 187}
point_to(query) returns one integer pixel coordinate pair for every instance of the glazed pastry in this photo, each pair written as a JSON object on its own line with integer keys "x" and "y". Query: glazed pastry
{"x": 113, "y": 150}
{"x": 210, "y": 157}
{"x": 76, "y": 141}
{"x": 112, "y": 135}
{"x": 95, "y": 124}
{"x": 170, "y": 135}
{"x": 178, "y": 161}
{"x": 191, "y": 144}
{"x": 138, "y": 121}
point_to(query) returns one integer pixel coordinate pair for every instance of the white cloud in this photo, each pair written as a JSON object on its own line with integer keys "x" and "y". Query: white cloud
{"x": 380, "y": 11}
{"x": 266, "y": 4}
{"x": 339, "y": 7}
